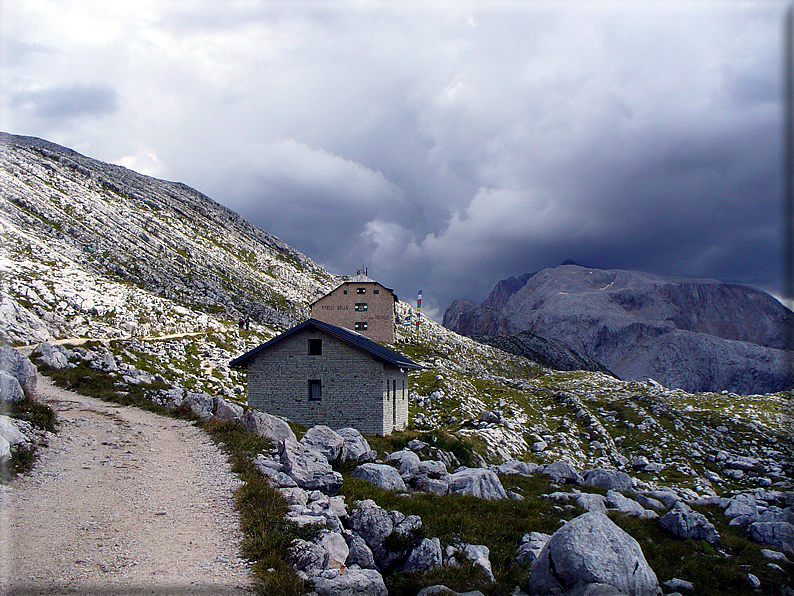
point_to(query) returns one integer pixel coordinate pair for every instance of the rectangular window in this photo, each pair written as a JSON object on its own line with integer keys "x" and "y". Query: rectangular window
{"x": 361, "y": 326}
{"x": 361, "y": 290}
{"x": 361, "y": 306}
{"x": 376, "y": 291}
{"x": 315, "y": 347}
{"x": 344, "y": 291}
{"x": 315, "y": 390}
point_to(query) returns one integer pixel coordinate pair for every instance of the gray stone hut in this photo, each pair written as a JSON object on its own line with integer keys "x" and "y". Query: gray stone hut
{"x": 318, "y": 373}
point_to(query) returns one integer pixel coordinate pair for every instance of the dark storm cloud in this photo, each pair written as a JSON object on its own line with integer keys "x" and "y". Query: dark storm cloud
{"x": 448, "y": 146}
{"x": 68, "y": 101}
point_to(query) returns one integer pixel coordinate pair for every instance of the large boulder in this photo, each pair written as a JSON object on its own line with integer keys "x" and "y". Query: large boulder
{"x": 327, "y": 551}
{"x": 608, "y": 479}
{"x": 562, "y": 472}
{"x": 356, "y": 446}
{"x": 426, "y": 555}
{"x": 371, "y": 522}
{"x": 353, "y": 581}
{"x": 328, "y": 442}
{"x": 308, "y": 467}
{"x": 477, "y": 482}
{"x": 531, "y": 546}
{"x": 682, "y": 522}
{"x": 10, "y": 389}
{"x": 268, "y": 426}
{"x": 10, "y": 431}
{"x": 406, "y": 460}
{"x": 54, "y": 356}
{"x": 201, "y": 403}
{"x": 5, "y": 451}
{"x": 518, "y": 468}
{"x": 779, "y": 534}
{"x": 360, "y": 552}
{"x": 227, "y": 410}
{"x": 19, "y": 367}
{"x": 591, "y": 549}
{"x": 382, "y": 475}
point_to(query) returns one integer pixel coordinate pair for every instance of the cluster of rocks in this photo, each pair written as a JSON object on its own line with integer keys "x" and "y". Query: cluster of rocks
{"x": 766, "y": 515}
{"x": 204, "y": 405}
{"x": 354, "y": 548}
{"x": 17, "y": 382}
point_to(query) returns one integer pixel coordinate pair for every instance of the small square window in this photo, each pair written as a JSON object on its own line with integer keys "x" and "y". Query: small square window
{"x": 376, "y": 291}
{"x": 344, "y": 291}
{"x": 315, "y": 347}
{"x": 361, "y": 290}
{"x": 361, "y": 306}
{"x": 361, "y": 326}
{"x": 315, "y": 390}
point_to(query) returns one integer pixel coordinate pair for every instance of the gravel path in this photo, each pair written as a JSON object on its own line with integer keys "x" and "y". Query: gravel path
{"x": 121, "y": 502}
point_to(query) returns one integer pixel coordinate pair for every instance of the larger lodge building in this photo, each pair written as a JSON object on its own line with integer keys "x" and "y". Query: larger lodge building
{"x": 360, "y": 304}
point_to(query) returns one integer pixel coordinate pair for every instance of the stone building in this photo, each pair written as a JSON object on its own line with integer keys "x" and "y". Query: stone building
{"x": 318, "y": 373}
{"x": 360, "y": 304}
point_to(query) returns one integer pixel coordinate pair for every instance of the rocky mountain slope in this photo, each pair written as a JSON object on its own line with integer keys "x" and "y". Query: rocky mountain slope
{"x": 693, "y": 334}
{"x": 90, "y": 248}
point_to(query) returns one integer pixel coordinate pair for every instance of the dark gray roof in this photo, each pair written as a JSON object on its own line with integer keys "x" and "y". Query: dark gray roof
{"x": 351, "y": 337}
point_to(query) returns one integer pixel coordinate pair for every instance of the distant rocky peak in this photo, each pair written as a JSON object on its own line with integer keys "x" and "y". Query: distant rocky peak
{"x": 504, "y": 289}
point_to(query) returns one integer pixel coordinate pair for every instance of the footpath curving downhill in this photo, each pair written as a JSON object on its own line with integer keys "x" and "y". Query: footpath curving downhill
{"x": 122, "y": 501}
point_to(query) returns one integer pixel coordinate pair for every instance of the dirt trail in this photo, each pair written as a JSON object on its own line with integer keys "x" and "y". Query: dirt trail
{"x": 121, "y": 502}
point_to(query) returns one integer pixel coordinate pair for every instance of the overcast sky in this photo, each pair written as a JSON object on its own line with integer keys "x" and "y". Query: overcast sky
{"x": 447, "y": 144}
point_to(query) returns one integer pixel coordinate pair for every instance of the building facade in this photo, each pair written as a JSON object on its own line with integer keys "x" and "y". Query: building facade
{"x": 317, "y": 373}
{"x": 362, "y": 305}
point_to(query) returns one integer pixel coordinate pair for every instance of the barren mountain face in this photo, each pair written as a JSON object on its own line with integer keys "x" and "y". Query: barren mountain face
{"x": 693, "y": 334}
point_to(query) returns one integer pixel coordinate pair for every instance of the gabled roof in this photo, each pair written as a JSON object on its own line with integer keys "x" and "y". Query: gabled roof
{"x": 350, "y": 337}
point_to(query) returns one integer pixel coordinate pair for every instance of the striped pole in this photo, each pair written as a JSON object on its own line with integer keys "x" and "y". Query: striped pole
{"x": 418, "y": 310}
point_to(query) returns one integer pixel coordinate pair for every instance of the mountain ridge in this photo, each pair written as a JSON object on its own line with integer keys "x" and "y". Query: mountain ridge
{"x": 161, "y": 238}
{"x": 717, "y": 335}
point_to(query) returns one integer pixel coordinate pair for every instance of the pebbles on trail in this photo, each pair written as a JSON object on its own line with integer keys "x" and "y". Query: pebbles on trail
{"x": 122, "y": 498}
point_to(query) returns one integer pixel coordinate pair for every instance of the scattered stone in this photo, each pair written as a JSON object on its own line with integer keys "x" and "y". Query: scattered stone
{"x": 19, "y": 367}
{"x": 519, "y": 468}
{"x": 681, "y": 521}
{"x": 352, "y": 581}
{"x": 562, "y": 473}
{"x": 678, "y": 584}
{"x": 226, "y": 410}
{"x": 326, "y": 441}
{"x": 530, "y": 546}
{"x": 539, "y": 446}
{"x": 356, "y": 446}
{"x": 268, "y": 426}
{"x": 308, "y": 467}
{"x": 779, "y": 534}
{"x": 407, "y": 461}
{"x": 382, "y": 475}
{"x": 10, "y": 389}
{"x": 200, "y": 403}
{"x": 754, "y": 582}
{"x": 359, "y": 552}
{"x": 426, "y": 555}
{"x": 371, "y": 522}
{"x": 608, "y": 479}
{"x": 477, "y": 482}
{"x": 54, "y": 356}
